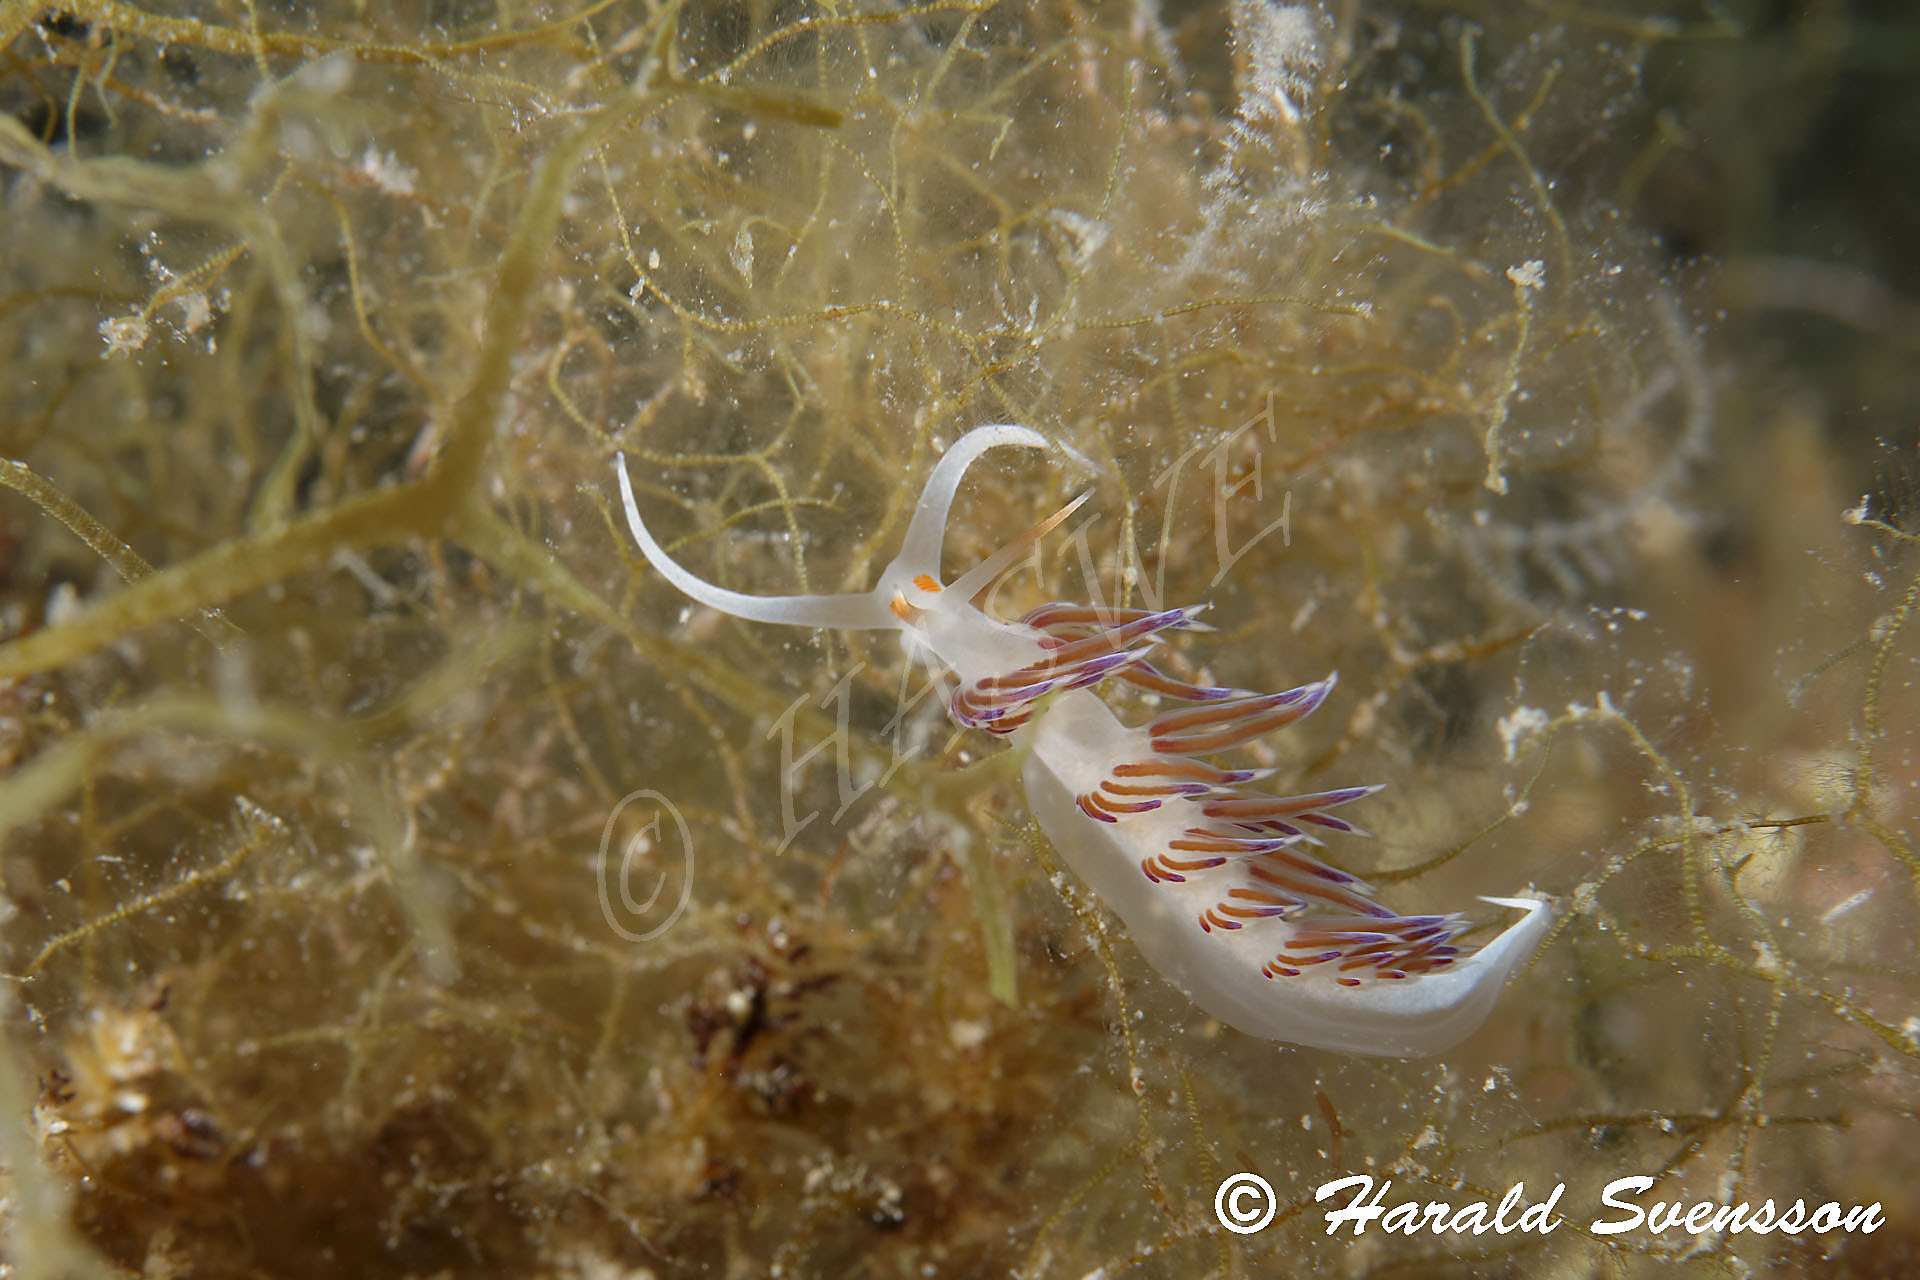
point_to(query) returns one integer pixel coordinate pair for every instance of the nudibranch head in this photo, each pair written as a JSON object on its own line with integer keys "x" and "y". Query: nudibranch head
{"x": 1218, "y": 884}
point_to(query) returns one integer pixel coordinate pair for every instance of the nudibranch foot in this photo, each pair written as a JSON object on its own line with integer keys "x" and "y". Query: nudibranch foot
{"x": 1213, "y": 880}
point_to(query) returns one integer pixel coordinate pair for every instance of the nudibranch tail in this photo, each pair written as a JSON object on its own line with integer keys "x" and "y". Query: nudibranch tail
{"x": 1216, "y": 883}
{"x": 1285, "y": 945}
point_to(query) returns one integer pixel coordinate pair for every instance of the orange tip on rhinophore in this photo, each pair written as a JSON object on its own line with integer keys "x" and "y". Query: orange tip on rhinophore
{"x": 926, "y": 582}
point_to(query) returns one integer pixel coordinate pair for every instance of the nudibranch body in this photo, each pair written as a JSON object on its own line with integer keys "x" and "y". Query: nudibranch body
{"x": 1217, "y": 883}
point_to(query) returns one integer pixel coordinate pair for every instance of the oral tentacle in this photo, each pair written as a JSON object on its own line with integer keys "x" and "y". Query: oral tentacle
{"x": 866, "y": 611}
{"x": 927, "y": 530}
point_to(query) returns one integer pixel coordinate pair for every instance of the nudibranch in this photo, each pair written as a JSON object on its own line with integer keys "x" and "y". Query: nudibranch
{"x": 1217, "y": 883}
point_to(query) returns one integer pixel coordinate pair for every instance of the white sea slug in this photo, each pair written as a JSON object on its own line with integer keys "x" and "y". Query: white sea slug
{"x": 1215, "y": 882}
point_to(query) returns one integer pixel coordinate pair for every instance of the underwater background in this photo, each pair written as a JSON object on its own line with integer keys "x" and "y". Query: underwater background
{"x": 400, "y": 878}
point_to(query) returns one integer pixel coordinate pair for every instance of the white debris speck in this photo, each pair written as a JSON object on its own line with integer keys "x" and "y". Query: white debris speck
{"x": 328, "y": 76}
{"x": 965, "y": 1033}
{"x": 1528, "y": 275}
{"x": 1087, "y": 234}
{"x": 195, "y": 310}
{"x": 123, "y": 335}
{"x": 1856, "y": 514}
{"x": 386, "y": 172}
{"x": 63, "y": 604}
{"x": 1521, "y": 724}
{"x": 742, "y": 254}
